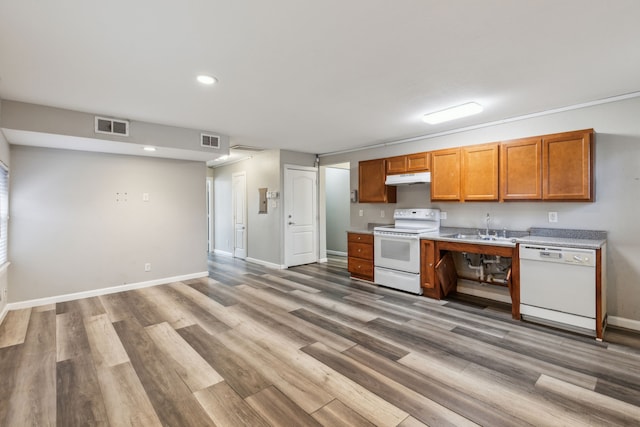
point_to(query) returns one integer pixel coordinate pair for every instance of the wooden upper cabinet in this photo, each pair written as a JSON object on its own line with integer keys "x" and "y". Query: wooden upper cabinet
{"x": 480, "y": 172}
{"x": 567, "y": 163}
{"x": 396, "y": 165}
{"x": 521, "y": 169}
{"x": 550, "y": 167}
{"x": 417, "y": 162}
{"x": 445, "y": 175}
{"x": 371, "y": 177}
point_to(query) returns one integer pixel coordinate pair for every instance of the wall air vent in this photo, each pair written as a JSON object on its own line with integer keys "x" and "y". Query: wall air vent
{"x": 112, "y": 126}
{"x": 209, "y": 141}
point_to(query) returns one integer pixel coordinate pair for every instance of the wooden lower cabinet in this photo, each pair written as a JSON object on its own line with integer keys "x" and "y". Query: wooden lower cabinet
{"x": 360, "y": 255}
{"x": 438, "y": 276}
{"x": 427, "y": 269}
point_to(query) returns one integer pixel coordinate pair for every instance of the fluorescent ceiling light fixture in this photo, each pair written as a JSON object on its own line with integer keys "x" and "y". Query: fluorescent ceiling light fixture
{"x": 149, "y": 148}
{"x": 206, "y": 80}
{"x": 452, "y": 113}
{"x": 222, "y": 158}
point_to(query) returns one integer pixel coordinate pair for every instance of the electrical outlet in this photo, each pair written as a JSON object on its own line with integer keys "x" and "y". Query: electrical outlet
{"x": 443, "y": 215}
{"x": 381, "y": 214}
{"x": 147, "y": 266}
{"x": 553, "y": 216}
{"x": 361, "y": 212}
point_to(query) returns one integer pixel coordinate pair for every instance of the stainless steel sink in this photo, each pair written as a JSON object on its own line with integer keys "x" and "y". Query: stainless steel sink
{"x": 481, "y": 237}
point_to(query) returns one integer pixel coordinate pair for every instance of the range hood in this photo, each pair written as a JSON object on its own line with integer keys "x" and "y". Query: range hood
{"x": 408, "y": 178}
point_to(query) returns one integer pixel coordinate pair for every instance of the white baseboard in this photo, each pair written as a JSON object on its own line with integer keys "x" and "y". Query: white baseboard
{"x": 266, "y": 263}
{"x": 623, "y": 322}
{"x": 102, "y": 291}
{"x": 3, "y": 313}
{"x": 323, "y": 260}
{"x": 336, "y": 253}
{"x": 221, "y": 252}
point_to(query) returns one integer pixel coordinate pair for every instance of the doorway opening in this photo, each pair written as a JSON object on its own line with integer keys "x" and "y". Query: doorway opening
{"x": 337, "y": 208}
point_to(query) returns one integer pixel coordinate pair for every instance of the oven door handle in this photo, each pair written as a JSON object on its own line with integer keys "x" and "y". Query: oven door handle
{"x": 399, "y": 236}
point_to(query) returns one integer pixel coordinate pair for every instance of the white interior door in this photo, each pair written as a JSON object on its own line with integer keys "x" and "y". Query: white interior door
{"x": 239, "y": 202}
{"x": 300, "y": 215}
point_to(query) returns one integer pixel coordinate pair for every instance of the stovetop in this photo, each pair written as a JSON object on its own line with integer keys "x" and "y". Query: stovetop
{"x": 406, "y": 230}
{"x": 413, "y": 221}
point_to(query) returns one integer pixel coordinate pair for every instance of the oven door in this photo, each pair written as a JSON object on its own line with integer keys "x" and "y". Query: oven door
{"x": 397, "y": 251}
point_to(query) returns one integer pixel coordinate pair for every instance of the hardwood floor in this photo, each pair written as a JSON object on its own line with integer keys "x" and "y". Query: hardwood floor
{"x": 251, "y": 346}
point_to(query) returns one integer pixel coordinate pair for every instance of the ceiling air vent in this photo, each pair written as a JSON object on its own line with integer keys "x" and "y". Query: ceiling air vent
{"x": 246, "y": 148}
{"x": 112, "y": 126}
{"x": 210, "y": 141}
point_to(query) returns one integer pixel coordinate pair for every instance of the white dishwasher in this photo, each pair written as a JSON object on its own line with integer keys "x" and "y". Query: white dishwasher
{"x": 558, "y": 284}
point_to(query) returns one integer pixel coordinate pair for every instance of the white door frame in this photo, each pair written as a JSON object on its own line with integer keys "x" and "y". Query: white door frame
{"x": 234, "y": 196}
{"x": 210, "y": 215}
{"x": 286, "y": 208}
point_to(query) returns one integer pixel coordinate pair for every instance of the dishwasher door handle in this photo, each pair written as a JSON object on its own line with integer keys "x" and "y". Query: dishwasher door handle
{"x": 550, "y": 255}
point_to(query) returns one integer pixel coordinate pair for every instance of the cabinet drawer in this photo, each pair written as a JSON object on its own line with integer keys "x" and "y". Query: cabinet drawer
{"x": 360, "y": 267}
{"x": 361, "y": 250}
{"x": 360, "y": 238}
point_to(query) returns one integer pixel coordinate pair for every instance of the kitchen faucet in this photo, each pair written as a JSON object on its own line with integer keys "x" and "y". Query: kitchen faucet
{"x": 488, "y": 219}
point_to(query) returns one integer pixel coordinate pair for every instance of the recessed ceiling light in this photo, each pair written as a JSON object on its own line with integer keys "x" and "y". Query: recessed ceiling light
{"x": 453, "y": 113}
{"x": 206, "y": 80}
{"x": 149, "y": 148}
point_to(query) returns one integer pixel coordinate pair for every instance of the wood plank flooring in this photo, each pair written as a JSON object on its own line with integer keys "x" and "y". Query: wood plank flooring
{"x": 307, "y": 346}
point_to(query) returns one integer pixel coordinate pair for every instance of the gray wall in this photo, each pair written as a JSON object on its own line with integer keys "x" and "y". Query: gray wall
{"x": 4, "y": 158}
{"x": 617, "y": 176}
{"x": 337, "y": 208}
{"x": 264, "y": 231}
{"x": 69, "y": 234}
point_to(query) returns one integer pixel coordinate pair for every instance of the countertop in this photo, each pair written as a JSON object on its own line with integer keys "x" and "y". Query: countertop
{"x": 368, "y": 230}
{"x": 580, "y": 239}
{"x": 570, "y": 238}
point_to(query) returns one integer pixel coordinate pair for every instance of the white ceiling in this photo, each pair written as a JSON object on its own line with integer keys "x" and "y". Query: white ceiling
{"x": 317, "y": 76}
